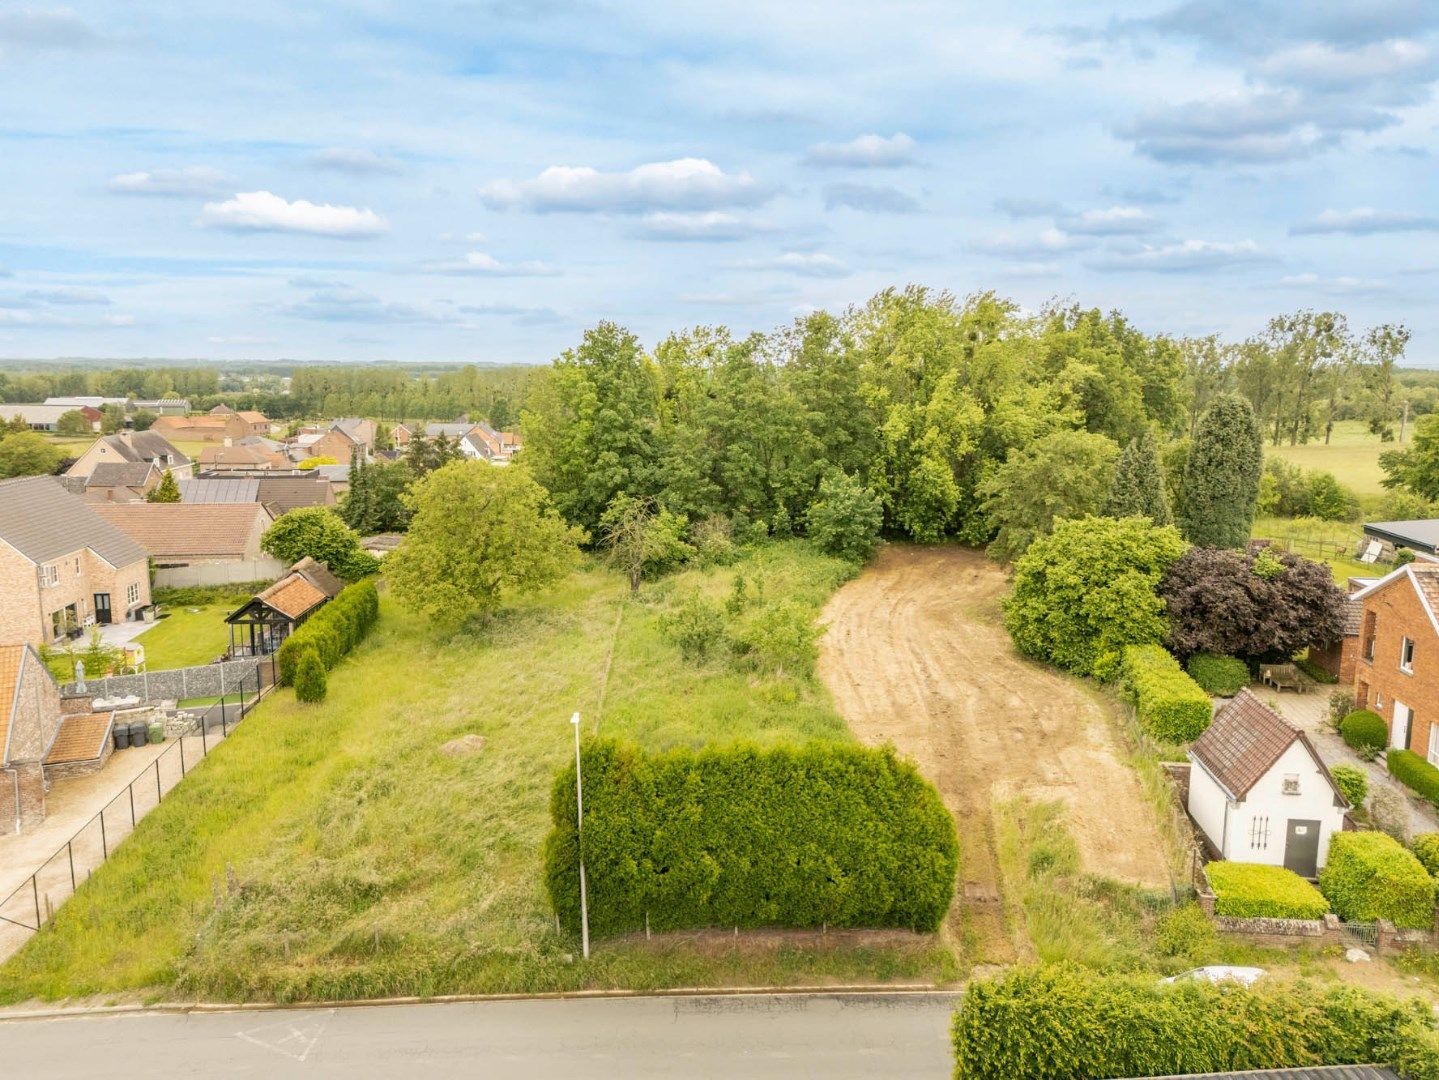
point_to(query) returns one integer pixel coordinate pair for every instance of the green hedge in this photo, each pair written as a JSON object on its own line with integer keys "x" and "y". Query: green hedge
{"x": 1171, "y": 705}
{"x": 1363, "y": 729}
{"x": 817, "y": 835}
{"x": 1352, "y": 781}
{"x": 332, "y": 631}
{"x": 1426, "y": 850}
{"x": 1252, "y": 891}
{"x": 1222, "y": 676}
{"x": 200, "y": 595}
{"x": 1371, "y": 876}
{"x": 1414, "y": 772}
{"x": 1065, "y": 1023}
{"x": 1315, "y": 672}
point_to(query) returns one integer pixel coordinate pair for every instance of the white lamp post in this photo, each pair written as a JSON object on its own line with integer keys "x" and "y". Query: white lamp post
{"x": 580, "y": 838}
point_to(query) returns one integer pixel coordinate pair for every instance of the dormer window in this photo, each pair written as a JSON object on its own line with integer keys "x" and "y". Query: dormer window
{"x": 1406, "y": 656}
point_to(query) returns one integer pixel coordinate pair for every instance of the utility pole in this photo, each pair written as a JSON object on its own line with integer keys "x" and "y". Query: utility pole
{"x": 580, "y": 839}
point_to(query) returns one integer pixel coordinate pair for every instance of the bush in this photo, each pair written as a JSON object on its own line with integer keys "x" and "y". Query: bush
{"x": 310, "y": 682}
{"x": 696, "y": 627}
{"x": 713, "y": 541}
{"x": 1222, "y": 676}
{"x": 200, "y": 595}
{"x": 1426, "y": 850}
{"x": 1353, "y": 781}
{"x": 1064, "y": 1023}
{"x": 1365, "y": 731}
{"x": 1172, "y": 706}
{"x": 780, "y": 639}
{"x": 1370, "y": 876}
{"x": 1252, "y": 891}
{"x": 1185, "y": 931}
{"x": 1315, "y": 672}
{"x": 1415, "y": 773}
{"x": 332, "y": 631}
{"x": 819, "y": 835}
{"x": 845, "y": 517}
{"x": 1341, "y": 704}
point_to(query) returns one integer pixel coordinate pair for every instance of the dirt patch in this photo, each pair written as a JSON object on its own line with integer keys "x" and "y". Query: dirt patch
{"x": 916, "y": 654}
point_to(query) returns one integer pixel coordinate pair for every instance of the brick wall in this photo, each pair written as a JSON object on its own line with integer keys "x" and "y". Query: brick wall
{"x": 19, "y": 602}
{"x": 37, "y": 713}
{"x": 1395, "y": 612}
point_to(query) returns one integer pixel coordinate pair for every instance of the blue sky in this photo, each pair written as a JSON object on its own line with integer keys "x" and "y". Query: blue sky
{"x": 481, "y": 181}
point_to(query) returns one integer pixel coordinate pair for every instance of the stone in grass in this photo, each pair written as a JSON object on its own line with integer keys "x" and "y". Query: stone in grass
{"x": 464, "y": 746}
{"x": 1356, "y": 956}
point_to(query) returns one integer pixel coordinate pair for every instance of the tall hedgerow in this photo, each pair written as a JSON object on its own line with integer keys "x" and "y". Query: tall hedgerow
{"x": 332, "y": 631}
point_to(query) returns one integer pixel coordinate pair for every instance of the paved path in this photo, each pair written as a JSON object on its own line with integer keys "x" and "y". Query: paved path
{"x": 836, "y": 1037}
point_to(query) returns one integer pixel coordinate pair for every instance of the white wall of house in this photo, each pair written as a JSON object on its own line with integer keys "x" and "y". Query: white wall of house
{"x": 1208, "y": 803}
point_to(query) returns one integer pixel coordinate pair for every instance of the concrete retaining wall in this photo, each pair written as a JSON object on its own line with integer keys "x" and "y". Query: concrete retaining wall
{"x": 229, "y": 572}
{"x": 177, "y": 684}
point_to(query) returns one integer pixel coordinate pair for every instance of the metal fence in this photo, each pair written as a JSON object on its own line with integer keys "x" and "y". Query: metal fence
{"x": 32, "y": 904}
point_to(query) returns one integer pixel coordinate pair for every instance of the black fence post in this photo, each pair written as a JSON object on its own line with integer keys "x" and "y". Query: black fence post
{"x": 182, "y": 753}
{"x": 70, "y": 849}
{"x": 131, "y": 791}
{"x": 35, "y": 888}
{"x": 104, "y": 847}
{"x": 159, "y": 795}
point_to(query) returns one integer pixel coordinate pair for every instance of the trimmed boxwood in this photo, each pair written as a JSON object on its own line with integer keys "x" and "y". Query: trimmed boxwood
{"x": 1426, "y": 850}
{"x": 1171, "y": 705}
{"x": 1364, "y": 729}
{"x": 1066, "y": 1023}
{"x": 818, "y": 835}
{"x": 332, "y": 631}
{"x": 1222, "y": 676}
{"x": 1252, "y": 891}
{"x": 1415, "y": 773}
{"x": 1371, "y": 876}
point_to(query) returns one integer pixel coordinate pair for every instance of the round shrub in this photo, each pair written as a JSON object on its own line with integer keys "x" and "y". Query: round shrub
{"x": 1222, "y": 676}
{"x": 1365, "y": 731}
{"x": 310, "y": 681}
{"x": 1371, "y": 876}
{"x": 1353, "y": 781}
{"x": 1252, "y": 891}
{"x": 1426, "y": 850}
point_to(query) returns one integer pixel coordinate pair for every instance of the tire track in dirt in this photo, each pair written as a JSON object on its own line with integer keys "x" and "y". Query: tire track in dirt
{"x": 915, "y": 653}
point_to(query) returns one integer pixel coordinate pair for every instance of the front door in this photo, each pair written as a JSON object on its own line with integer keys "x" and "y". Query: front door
{"x": 1301, "y": 848}
{"x": 102, "y": 608}
{"x": 1399, "y": 732}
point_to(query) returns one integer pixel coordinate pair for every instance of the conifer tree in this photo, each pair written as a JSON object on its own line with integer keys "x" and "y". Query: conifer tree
{"x": 167, "y": 492}
{"x": 1138, "y": 484}
{"x": 1221, "y": 475}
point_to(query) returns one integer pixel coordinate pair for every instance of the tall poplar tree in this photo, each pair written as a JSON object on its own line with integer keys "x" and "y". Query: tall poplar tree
{"x": 1138, "y": 484}
{"x": 1221, "y": 475}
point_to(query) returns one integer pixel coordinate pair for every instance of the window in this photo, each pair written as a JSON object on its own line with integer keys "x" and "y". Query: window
{"x": 1371, "y": 623}
{"x": 1406, "y": 656}
{"x": 132, "y": 594}
{"x": 49, "y": 575}
{"x": 1291, "y": 783}
{"x": 1259, "y": 833}
{"x": 1434, "y": 744}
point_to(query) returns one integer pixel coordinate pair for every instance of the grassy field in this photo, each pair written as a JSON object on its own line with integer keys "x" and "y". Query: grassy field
{"x": 1332, "y": 542}
{"x": 1352, "y": 455}
{"x": 336, "y": 851}
{"x": 187, "y": 636}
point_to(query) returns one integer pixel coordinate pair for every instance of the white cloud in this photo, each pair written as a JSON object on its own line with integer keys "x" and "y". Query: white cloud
{"x": 1113, "y": 221}
{"x": 262, "y": 211}
{"x": 705, "y": 225}
{"x": 1049, "y": 242}
{"x": 1364, "y": 221}
{"x": 357, "y": 161}
{"x": 1322, "y": 65}
{"x": 808, "y": 264}
{"x": 685, "y": 184}
{"x": 869, "y": 199}
{"x": 191, "y": 180}
{"x": 32, "y": 29}
{"x": 1184, "y": 256}
{"x": 864, "y": 152}
{"x": 1343, "y": 285}
{"x": 483, "y": 264}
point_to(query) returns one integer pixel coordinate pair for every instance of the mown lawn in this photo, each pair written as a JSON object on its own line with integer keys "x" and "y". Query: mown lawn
{"x": 187, "y": 636}
{"x": 334, "y": 851}
{"x": 1352, "y": 455}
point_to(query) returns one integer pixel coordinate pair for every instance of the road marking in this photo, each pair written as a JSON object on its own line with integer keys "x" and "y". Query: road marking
{"x": 286, "y": 1038}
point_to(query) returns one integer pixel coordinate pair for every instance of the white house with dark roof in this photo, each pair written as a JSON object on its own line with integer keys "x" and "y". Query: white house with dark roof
{"x": 1259, "y": 791}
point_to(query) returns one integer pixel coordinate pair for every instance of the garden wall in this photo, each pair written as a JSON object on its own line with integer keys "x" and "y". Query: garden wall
{"x": 227, "y": 572}
{"x": 177, "y": 684}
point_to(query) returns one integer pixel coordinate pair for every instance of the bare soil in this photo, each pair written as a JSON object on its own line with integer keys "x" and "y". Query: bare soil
{"x": 916, "y": 654}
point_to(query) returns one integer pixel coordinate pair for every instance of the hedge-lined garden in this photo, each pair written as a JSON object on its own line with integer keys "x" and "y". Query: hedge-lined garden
{"x": 1371, "y": 876}
{"x": 1253, "y": 891}
{"x": 1065, "y": 1023}
{"x": 1222, "y": 676}
{"x": 819, "y": 835}
{"x": 330, "y": 634}
{"x": 1415, "y": 773}
{"x": 1171, "y": 705}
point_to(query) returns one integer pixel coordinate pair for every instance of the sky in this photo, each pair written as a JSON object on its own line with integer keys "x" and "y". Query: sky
{"x": 482, "y": 181}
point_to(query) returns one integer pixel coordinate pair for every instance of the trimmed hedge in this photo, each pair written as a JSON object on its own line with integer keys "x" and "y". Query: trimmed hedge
{"x": 1067, "y": 1023}
{"x": 1371, "y": 876}
{"x": 1172, "y": 706}
{"x": 1414, "y": 772}
{"x": 1426, "y": 850}
{"x": 818, "y": 835}
{"x": 332, "y": 631}
{"x": 1222, "y": 676}
{"x": 310, "y": 682}
{"x": 1353, "y": 781}
{"x": 1252, "y": 891}
{"x": 1364, "y": 729}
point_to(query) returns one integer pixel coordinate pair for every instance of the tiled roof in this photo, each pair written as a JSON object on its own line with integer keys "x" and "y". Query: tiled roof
{"x": 236, "y": 455}
{"x": 120, "y": 474}
{"x": 450, "y": 431}
{"x": 1353, "y": 616}
{"x": 186, "y": 529}
{"x": 235, "y": 489}
{"x": 1426, "y": 578}
{"x": 43, "y": 521}
{"x": 318, "y": 575}
{"x": 12, "y": 657}
{"x": 144, "y": 446}
{"x": 285, "y": 493}
{"x": 252, "y": 417}
{"x": 1243, "y": 743}
{"x": 81, "y": 738}
{"x": 292, "y": 595}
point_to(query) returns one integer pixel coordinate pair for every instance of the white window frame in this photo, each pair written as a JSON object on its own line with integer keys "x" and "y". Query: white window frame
{"x": 1406, "y": 656}
{"x": 132, "y": 593}
{"x": 1434, "y": 744}
{"x": 49, "y": 576}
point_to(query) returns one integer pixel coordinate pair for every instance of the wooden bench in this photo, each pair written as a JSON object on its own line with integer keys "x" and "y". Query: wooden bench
{"x": 1282, "y": 677}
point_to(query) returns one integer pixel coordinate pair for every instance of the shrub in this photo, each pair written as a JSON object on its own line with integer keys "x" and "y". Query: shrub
{"x": 819, "y": 835}
{"x": 310, "y": 682}
{"x": 1185, "y": 931}
{"x": 1063, "y": 1023}
{"x": 1426, "y": 850}
{"x": 696, "y": 627}
{"x": 332, "y": 631}
{"x": 1370, "y": 876}
{"x": 1222, "y": 676}
{"x": 1414, "y": 772}
{"x": 1353, "y": 781}
{"x": 713, "y": 541}
{"x": 1341, "y": 704}
{"x": 1315, "y": 672}
{"x": 199, "y": 595}
{"x": 1365, "y": 731}
{"x": 780, "y": 639}
{"x": 845, "y": 517}
{"x": 1171, "y": 705}
{"x": 1252, "y": 891}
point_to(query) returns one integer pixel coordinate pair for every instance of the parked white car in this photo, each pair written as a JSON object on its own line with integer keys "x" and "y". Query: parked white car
{"x": 1218, "y": 973}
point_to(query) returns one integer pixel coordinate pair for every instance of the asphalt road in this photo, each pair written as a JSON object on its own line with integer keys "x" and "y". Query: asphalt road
{"x": 834, "y": 1036}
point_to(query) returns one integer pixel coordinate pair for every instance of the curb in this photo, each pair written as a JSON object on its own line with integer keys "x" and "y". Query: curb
{"x": 201, "y": 1007}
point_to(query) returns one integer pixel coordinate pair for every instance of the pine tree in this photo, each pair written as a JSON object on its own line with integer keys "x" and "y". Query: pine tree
{"x": 1138, "y": 484}
{"x": 167, "y": 492}
{"x": 1221, "y": 475}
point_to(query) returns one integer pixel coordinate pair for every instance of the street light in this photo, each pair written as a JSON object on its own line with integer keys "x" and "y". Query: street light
{"x": 580, "y": 839}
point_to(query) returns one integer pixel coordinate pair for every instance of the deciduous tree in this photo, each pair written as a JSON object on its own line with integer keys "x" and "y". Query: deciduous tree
{"x": 318, "y": 532}
{"x": 1063, "y": 475}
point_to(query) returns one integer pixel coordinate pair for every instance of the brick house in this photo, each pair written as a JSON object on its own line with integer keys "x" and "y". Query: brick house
{"x": 198, "y": 543}
{"x": 1397, "y": 669}
{"x": 62, "y": 566}
{"x": 133, "y": 447}
{"x": 217, "y": 427}
{"x": 1338, "y": 657}
{"x": 335, "y": 443}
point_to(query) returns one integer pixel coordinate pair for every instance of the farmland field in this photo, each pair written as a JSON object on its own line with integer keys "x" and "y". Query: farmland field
{"x": 1352, "y": 455}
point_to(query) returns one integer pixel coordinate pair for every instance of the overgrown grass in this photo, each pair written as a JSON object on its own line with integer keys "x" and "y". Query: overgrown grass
{"x": 334, "y": 850}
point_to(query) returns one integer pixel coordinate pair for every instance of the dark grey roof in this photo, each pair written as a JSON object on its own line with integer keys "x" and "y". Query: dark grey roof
{"x": 286, "y": 493}
{"x": 238, "y": 489}
{"x": 1314, "y": 1072}
{"x": 145, "y": 446}
{"x": 1420, "y": 535}
{"x": 43, "y": 521}
{"x": 120, "y": 474}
